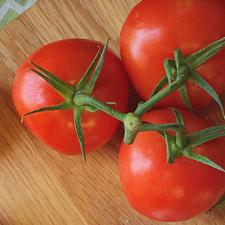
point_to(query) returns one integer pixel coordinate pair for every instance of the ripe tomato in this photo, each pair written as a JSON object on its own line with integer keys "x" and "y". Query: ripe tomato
{"x": 151, "y": 32}
{"x": 69, "y": 59}
{"x": 170, "y": 192}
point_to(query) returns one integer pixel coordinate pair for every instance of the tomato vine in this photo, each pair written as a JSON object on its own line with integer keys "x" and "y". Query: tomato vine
{"x": 79, "y": 98}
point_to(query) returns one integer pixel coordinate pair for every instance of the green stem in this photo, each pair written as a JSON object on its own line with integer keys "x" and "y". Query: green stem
{"x": 82, "y": 100}
{"x": 144, "y": 107}
{"x": 132, "y": 124}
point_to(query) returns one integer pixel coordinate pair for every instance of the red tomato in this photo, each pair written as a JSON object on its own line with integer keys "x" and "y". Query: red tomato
{"x": 170, "y": 192}
{"x": 153, "y": 29}
{"x": 69, "y": 59}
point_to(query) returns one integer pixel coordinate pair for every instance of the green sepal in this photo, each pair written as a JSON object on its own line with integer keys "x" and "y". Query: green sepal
{"x": 89, "y": 87}
{"x": 64, "y": 92}
{"x": 77, "y": 112}
{"x": 203, "y": 136}
{"x": 198, "y": 58}
{"x": 196, "y": 78}
{"x": 179, "y": 59}
{"x": 162, "y": 83}
{"x": 178, "y": 116}
{"x": 168, "y": 66}
{"x": 61, "y": 106}
{"x": 169, "y": 153}
{"x": 202, "y": 159}
{"x": 184, "y": 96}
{"x": 81, "y": 84}
{"x": 66, "y": 87}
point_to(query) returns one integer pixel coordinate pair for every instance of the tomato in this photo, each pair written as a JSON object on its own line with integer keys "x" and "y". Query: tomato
{"x": 69, "y": 59}
{"x": 152, "y": 31}
{"x": 170, "y": 192}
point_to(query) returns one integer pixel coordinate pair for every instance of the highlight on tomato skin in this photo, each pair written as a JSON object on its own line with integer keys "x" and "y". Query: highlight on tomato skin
{"x": 151, "y": 32}
{"x": 170, "y": 192}
{"x": 69, "y": 59}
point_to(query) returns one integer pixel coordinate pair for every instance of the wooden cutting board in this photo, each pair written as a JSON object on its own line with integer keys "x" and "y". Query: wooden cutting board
{"x": 38, "y": 185}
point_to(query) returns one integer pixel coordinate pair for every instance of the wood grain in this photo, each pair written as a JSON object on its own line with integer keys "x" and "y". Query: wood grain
{"x": 38, "y": 185}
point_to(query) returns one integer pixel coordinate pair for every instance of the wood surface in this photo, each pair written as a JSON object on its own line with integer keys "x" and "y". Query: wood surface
{"x": 41, "y": 186}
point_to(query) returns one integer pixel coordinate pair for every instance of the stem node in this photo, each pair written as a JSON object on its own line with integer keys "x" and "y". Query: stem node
{"x": 132, "y": 124}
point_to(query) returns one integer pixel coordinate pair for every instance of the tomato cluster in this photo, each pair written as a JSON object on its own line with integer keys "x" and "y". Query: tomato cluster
{"x": 171, "y": 169}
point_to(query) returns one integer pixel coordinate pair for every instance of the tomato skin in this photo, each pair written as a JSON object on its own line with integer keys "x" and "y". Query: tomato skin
{"x": 152, "y": 31}
{"x": 69, "y": 59}
{"x": 170, "y": 192}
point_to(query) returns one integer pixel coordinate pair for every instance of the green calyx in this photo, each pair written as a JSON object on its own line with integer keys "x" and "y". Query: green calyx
{"x": 187, "y": 65}
{"x": 182, "y": 143}
{"x": 68, "y": 92}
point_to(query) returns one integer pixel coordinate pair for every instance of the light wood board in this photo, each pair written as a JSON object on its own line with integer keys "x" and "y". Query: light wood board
{"x": 38, "y": 185}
